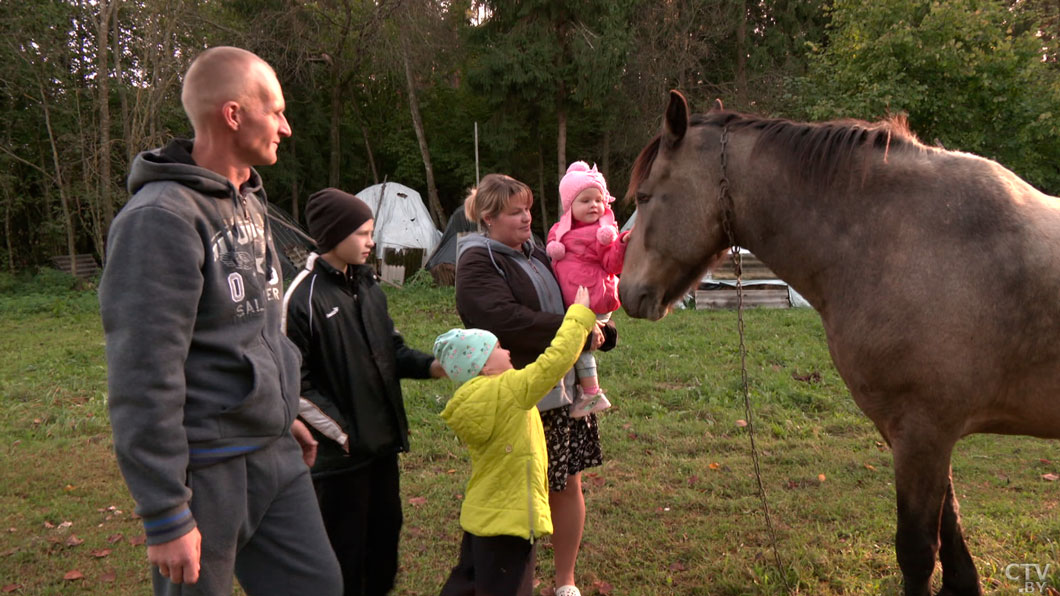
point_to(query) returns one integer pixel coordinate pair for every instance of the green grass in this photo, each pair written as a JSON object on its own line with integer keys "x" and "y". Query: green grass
{"x": 674, "y": 509}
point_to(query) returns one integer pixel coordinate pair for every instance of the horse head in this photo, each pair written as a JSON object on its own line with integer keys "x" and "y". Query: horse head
{"x": 679, "y": 232}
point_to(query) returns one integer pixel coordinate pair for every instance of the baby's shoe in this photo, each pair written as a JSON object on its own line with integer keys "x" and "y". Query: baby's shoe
{"x": 585, "y": 403}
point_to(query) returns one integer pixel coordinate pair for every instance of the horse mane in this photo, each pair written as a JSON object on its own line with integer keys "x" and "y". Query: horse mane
{"x": 814, "y": 151}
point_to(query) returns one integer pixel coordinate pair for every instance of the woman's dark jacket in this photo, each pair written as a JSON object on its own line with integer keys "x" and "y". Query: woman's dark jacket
{"x": 493, "y": 292}
{"x": 352, "y": 361}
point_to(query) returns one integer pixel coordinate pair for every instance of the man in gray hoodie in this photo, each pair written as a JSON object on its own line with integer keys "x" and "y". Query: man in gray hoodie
{"x": 203, "y": 385}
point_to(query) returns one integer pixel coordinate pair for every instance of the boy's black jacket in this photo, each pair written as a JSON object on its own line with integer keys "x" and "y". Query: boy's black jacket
{"x": 352, "y": 360}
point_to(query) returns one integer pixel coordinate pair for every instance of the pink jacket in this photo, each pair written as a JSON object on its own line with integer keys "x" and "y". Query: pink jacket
{"x": 588, "y": 261}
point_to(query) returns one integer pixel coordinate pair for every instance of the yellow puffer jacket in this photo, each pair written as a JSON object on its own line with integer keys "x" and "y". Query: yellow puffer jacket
{"x": 496, "y": 416}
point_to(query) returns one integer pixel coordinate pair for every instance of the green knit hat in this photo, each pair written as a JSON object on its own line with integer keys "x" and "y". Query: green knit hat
{"x": 463, "y": 352}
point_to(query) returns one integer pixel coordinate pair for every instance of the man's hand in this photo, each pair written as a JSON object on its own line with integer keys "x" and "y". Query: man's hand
{"x": 178, "y": 559}
{"x": 437, "y": 372}
{"x": 306, "y": 440}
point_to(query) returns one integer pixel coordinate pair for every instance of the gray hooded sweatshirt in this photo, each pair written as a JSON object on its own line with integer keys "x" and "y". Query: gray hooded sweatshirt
{"x": 197, "y": 369}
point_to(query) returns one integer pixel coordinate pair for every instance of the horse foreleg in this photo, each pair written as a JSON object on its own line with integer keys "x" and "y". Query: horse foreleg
{"x": 921, "y": 477}
{"x": 959, "y": 577}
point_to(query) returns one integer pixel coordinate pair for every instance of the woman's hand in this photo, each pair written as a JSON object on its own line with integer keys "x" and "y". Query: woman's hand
{"x": 582, "y": 296}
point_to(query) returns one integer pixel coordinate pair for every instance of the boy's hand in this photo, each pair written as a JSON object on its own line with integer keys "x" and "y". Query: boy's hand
{"x": 437, "y": 372}
{"x": 305, "y": 441}
{"x": 582, "y": 296}
{"x": 178, "y": 559}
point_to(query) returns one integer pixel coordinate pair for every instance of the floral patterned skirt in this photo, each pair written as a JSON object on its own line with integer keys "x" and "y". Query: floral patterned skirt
{"x": 573, "y": 445}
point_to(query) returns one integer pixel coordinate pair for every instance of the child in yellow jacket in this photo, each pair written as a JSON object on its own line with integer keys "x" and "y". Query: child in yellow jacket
{"x": 494, "y": 412}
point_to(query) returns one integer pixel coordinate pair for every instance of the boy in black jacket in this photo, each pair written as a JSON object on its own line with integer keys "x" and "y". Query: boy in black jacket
{"x": 352, "y": 361}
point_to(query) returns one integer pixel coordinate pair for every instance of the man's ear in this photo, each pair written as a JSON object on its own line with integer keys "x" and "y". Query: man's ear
{"x": 232, "y": 114}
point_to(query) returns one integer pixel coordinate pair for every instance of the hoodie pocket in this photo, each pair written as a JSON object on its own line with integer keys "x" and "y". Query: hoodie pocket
{"x": 262, "y": 411}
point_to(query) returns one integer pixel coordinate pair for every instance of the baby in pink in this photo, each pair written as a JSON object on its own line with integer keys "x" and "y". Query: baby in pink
{"x": 587, "y": 250}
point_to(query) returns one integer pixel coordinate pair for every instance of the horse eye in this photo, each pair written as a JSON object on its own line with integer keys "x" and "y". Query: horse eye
{"x": 642, "y": 198}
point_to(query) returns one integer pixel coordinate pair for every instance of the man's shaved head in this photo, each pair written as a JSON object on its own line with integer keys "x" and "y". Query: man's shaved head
{"x": 219, "y": 75}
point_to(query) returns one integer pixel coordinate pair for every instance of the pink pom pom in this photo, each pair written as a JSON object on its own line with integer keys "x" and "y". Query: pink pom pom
{"x": 578, "y": 166}
{"x": 556, "y": 251}
{"x": 606, "y": 234}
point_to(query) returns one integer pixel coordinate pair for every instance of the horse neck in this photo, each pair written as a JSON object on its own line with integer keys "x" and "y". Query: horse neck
{"x": 790, "y": 231}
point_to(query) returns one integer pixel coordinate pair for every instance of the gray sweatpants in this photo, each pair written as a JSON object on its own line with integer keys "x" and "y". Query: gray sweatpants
{"x": 259, "y": 520}
{"x": 585, "y": 366}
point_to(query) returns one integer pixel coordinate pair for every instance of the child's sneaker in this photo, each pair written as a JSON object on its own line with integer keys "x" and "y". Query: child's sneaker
{"x": 585, "y": 404}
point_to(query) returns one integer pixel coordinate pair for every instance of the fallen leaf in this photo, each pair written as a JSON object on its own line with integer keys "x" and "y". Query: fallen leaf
{"x": 602, "y": 588}
{"x": 820, "y": 478}
{"x": 741, "y": 423}
{"x": 692, "y": 480}
{"x": 66, "y": 524}
{"x": 108, "y": 576}
{"x": 813, "y": 377}
{"x": 114, "y": 538}
{"x": 73, "y": 574}
{"x": 48, "y": 524}
{"x": 99, "y": 553}
{"x": 1045, "y": 461}
{"x": 10, "y": 588}
{"x": 870, "y": 467}
{"x": 12, "y": 530}
{"x": 69, "y": 487}
{"x": 417, "y": 501}
{"x": 73, "y": 540}
{"x": 1050, "y": 477}
{"x": 677, "y": 566}
{"x": 450, "y": 471}
{"x": 1050, "y": 591}
{"x": 714, "y": 466}
{"x": 138, "y": 540}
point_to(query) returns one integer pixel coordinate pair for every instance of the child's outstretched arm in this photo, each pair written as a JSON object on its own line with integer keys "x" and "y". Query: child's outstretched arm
{"x": 540, "y": 376}
{"x": 613, "y": 255}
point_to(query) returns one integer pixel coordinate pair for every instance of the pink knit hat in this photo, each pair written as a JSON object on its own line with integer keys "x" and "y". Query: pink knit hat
{"x": 579, "y": 177}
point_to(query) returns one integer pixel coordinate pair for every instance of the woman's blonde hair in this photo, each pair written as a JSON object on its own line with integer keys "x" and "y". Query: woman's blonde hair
{"x": 494, "y": 193}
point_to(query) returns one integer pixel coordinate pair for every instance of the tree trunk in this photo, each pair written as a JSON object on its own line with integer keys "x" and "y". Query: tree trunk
{"x": 8, "y": 205}
{"x": 102, "y": 81}
{"x": 417, "y": 122}
{"x": 367, "y": 142}
{"x": 561, "y": 140}
{"x": 605, "y": 157}
{"x": 126, "y": 128}
{"x": 295, "y": 210}
{"x": 371, "y": 158}
{"x": 741, "y": 54}
{"x": 68, "y": 219}
{"x": 541, "y": 192}
{"x": 335, "y": 134}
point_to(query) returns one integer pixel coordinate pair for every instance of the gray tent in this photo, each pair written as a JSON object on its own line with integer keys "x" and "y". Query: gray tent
{"x": 442, "y": 262}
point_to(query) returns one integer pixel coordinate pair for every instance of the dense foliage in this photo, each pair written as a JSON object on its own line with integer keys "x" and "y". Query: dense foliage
{"x": 393, "y": 89}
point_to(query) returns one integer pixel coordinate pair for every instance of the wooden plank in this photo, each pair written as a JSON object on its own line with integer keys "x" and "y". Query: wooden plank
{"x": 727, "y": 298}
{"x": 86, "y": 265}
{"x": 753, "y": 268}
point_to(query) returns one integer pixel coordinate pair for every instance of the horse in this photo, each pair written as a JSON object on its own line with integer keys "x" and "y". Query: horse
{"x": 936, "y": 275}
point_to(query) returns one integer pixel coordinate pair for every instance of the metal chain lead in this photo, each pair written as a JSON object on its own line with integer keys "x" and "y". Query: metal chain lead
{"x": 728, "y": 208}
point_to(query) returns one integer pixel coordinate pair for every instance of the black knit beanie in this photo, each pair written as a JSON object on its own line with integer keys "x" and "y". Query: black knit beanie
{"x": 332, "y": 215}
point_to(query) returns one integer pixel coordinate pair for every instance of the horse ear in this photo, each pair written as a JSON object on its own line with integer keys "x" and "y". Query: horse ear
{"x": 676, "y": 122}
{"x": 717, "y": 106}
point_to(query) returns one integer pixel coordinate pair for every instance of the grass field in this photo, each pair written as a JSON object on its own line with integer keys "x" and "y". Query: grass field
{"x": 673, "y": 510}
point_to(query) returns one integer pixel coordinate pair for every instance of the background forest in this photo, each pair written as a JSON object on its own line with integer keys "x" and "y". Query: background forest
{"x": 393, "y": 89}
